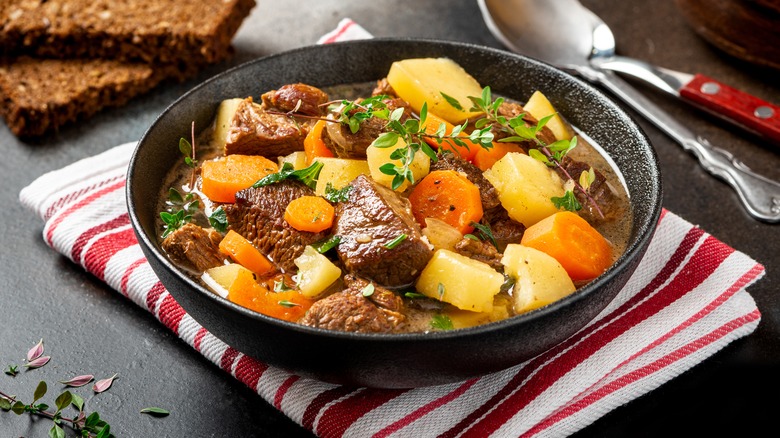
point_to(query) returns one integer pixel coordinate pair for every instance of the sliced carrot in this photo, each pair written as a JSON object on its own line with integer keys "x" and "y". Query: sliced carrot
{"x": 582, "y": 251}
{"x": 448, "y": 196}
{"x": 432, "y": 124}
{"x": 485, "y": 158}
{"x": 244, "y": 253}
{"x": 223, "y": 177}
{"x": 309, "y": 213}
{"x": 313, "y": 144}
{"x": 288, "y": 305}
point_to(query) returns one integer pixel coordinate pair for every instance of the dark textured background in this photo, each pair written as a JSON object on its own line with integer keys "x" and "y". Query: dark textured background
{"x": 88, "y": 328}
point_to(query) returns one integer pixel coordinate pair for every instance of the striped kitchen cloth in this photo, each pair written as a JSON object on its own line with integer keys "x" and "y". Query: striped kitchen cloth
{"x": 686, "y": 300}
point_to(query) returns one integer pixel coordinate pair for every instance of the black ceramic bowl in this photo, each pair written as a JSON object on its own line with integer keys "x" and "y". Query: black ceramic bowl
{"x": 395, "y": 360}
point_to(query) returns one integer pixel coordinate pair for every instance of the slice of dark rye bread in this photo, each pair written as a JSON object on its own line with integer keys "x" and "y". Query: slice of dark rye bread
{"x": 152, "y": 31}
{"x": 40, "y": 95}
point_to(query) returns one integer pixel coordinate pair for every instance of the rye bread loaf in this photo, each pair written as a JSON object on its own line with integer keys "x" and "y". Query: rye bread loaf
{"x": 152, "y": 31}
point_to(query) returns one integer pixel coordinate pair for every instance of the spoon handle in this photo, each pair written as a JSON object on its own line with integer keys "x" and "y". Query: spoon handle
{"x": 759, "y": 195}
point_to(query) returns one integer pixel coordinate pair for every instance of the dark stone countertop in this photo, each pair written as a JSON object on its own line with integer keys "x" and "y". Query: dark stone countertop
{"x": 88, "y": 328}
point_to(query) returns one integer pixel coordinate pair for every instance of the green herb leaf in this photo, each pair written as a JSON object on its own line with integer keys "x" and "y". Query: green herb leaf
{"x": 441, "y": 322}
{"x": 395, "y": 242}
{"x": 285, "y": 303}
{"x": 5, "y": 404}
{"x": 587, "y": 177}
{"x": 337, "y": 195}
{"x": 185, "y": 147}
{"x": 12, "y": 370}
{"x": 414, "y": 295}
{"x": 281, "y": 286}
{"x": 536, "y": 154}
{"x": 158, "y": 412}
{"x": 386, "y": 140}
{"x": 18, "y": 408}
{"x": 485, "y": 233}
{"x": 324, "y": 246}
{"x": 63, "y": 400}
{"x": 218, "y": 219}
{"x": 567, "y": 202}
{"x": 56, "y": 432}
{"x": 40, "y": 391}
{"x": 368, "y": 290}
{"x": 105, "y": 432}
{"x": 307, "y": 175}
{"x": 77, "y": 402}
{"x": 452, "y": 101}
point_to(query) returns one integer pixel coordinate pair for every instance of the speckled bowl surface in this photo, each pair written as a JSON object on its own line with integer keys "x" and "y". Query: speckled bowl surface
{"x": 396, "y": 360}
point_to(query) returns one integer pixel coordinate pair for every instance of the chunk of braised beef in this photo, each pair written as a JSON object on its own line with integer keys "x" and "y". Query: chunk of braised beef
{"x": 383, "y": 87}
{"x": 255, "y": 131}
{"x": 258, "y": 215}
{"x": 350, "y": 311}
{"x": 194, "y": 246}
{"x": 373, "y": 217}
{"x": 504, "y": 229}
{"x": 299, "y": 98}
{"x": 601, "y": 192}
{"x": 480, "y": 250}
{"x": 380, "y": 296}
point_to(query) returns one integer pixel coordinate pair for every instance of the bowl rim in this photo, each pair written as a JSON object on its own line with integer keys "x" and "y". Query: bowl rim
{"x": 635, "y": 249}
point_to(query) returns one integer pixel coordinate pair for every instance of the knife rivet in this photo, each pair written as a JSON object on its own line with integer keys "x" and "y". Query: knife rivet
{"x": 764, "y": 112}
{"x": 710, "y": 88}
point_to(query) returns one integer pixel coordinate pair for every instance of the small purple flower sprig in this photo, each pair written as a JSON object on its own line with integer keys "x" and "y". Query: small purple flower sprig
{"x": 88, "y": 426}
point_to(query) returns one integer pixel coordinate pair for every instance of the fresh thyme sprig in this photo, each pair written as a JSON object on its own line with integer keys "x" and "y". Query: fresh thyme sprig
{"x": 552, "y": 155}
{"x": 175, "y": 218}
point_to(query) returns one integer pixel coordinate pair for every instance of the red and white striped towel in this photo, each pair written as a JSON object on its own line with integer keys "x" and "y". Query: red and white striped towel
{"x": 686, "y": 301}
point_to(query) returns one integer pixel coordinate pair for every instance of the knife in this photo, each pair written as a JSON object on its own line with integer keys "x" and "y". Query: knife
{"x": 728, "y": 103}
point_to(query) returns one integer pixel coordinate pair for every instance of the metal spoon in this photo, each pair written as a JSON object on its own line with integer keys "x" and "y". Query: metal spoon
{"x": 575, "y": 39}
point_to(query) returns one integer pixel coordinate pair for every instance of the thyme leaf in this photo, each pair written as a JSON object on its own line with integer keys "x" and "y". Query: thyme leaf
{"x": 567, "y": 202}
{"x": 218, "y": 220}
{"x": 441, "y": 322}
{"x": 395, "y": 242}
{"x": 325, "y": 245}
{"x": 307, "y": 175}
{"x": 337, "y": 195}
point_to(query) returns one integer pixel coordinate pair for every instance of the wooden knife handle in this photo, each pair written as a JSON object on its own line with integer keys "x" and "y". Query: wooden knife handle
{"x": 736, "y": 106}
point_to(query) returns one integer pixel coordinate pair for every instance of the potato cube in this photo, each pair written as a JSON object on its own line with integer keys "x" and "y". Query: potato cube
{"x": 539, "y": 278}
{"x": 297, "y": 159}
{"x": 423, "y": 80}
{"x": 225, "y": 112}
{"x": 525, "y": 186}
{"x": 463, "y": 282}
{"x": 540, "y": 107}
{"x": 315, "y": 272}
{"x": 339, "y": 172}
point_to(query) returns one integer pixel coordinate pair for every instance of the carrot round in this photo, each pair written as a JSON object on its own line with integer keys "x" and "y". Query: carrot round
{"x": 432, "y": 124}
{"x": 485, "y": 158}
{"x": 309, "y": 213}
{"x": 223, "y": 177}
{"x": 244, "y": 253}
{"x": 287, "y": 305}
{"x": 448, "y": 196}
{"x": 313, "y": 144}
{"x": 582, "y": 251}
